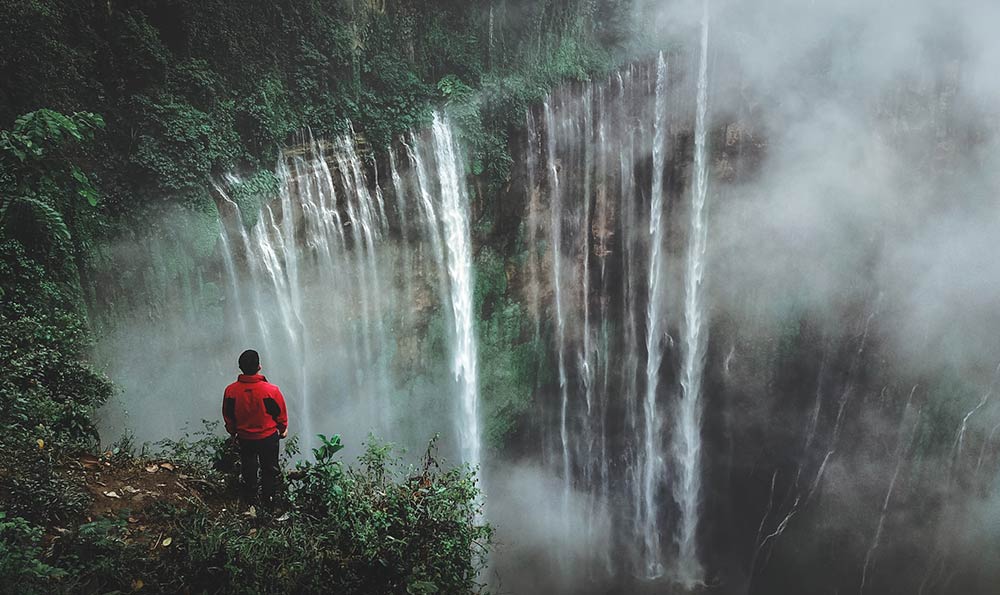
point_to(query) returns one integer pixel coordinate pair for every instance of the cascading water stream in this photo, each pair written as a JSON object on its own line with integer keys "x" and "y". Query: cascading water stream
{"x": 320, "y": 275}
{"x": 580, "y": 132}
{"x": 652, "y": 472}
{"x": 687, "y": 430}
{"x": 555, "y": 204}
{"x": 457, "y": 236}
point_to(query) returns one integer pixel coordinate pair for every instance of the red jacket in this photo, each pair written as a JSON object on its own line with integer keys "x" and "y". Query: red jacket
{"x": 254, "y": 408}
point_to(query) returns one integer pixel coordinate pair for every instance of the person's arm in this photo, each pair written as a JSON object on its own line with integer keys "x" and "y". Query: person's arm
{"x": 275, "y": 407}
{"x": 229, "y": 413}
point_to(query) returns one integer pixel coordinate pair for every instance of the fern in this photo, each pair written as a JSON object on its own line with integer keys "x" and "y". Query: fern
{"x": 27, "y": 211}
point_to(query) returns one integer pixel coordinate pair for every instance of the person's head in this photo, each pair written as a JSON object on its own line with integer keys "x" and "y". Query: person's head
{"x": 250, "y": 362}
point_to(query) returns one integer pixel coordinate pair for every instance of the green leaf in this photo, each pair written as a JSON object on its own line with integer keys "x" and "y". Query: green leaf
{"x": 41, "y": 212}
{"x": 421, "y": 588}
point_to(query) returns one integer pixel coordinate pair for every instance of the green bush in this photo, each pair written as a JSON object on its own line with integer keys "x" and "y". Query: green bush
{"x": 34, "y": 486}
{"x": 508, "y": 351}
{"x": 379, "y": 528}
{"x": 20, "y": 553}
{"x": 98, "y": 557}
{"x": 49, "y": 390}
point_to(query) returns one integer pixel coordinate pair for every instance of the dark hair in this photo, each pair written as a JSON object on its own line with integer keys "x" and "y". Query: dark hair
{"x": 249, "y": 362}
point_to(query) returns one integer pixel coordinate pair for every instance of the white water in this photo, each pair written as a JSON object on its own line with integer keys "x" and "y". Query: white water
{"x": 321, "y": 280}
{"x": 610, "y": 410}
{"x": 686, "y": 441}
{"x": 555, "y": 205}
{"x": 457, "y": 236}
{"x": 652, "y": 473}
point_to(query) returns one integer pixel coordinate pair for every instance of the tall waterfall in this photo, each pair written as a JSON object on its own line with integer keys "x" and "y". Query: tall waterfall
{"x": 603, "y": 162}
{"x": 652, "y": 472}
{"x": 335, "y": 281}
{"x": 457, "y": 237}
{"x": 687, "y": 433}
{"x": 556, "y": 237}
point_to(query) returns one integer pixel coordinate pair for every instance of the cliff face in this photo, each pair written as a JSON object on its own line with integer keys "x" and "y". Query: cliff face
{"x": 832, "y": 456}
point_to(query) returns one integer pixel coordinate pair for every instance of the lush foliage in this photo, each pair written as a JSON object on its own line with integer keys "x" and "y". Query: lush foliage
{"x": 513, "y": 360}
{"x": 20, "y": 553}
{"x": 193, "y": 88}
{"x": 38, "y": 173}
{"x": 380, "y": 528}
{"x": 50, "y": 393}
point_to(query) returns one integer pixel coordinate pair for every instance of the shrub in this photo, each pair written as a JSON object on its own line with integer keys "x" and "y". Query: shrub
{"x": 49, "y": 390}
{"x": 378, "y": 528}
{"x": 33, "y": 486}
{"x": 20, "y": 552}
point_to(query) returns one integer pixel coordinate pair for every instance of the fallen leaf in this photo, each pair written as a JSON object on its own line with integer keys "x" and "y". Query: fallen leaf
{"x": 112, "y": 494}
{"x": 137, "y": 584}
{"x": 167, "y": 541}
{"x": 41, "y": 443}
{"x": 152, "y": 468}
{"x": 167, "y": 466}
{"x": 90, "y": 462}
{"x": 130, "y": 490}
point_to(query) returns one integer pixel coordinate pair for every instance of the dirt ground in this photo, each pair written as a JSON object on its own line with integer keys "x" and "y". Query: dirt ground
{"x": 126, "y": 490}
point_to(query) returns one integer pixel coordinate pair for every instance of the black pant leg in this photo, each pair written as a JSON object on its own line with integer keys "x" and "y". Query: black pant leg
{"x": 249, "y": 453}
{"x": 269, "y": 469}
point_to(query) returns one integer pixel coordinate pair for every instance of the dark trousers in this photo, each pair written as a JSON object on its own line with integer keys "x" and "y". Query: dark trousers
{"x": 261, "y": 454}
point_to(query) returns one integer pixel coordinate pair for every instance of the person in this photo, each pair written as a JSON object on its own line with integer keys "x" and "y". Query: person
{"x": 255, "y": 416}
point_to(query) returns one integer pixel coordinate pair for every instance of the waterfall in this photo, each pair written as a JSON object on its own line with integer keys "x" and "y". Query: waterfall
{"x": 321, "y": 273}
{"x": 457, "y": 236}
{"x": 616, "y": 433}
{"x": 666, "y": 417}
{"x": 343, "y": 284}
{"x": 555, "y": 205}
{"x": 687, "y": 430}
{"x": 652, "y": 458}
{"x": 232, "y": 278}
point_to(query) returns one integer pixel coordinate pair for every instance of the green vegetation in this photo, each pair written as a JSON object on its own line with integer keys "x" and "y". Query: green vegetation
{"x": 192, "y": 88}
{"x": 379, "y": 528}
{"x": 507, "y": 347}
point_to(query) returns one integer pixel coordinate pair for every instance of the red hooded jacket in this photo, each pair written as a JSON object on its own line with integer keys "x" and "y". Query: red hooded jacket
{"x": 254, "y": 408}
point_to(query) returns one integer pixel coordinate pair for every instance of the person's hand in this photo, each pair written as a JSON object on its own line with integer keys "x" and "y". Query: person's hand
{"x": 284, "y": 433}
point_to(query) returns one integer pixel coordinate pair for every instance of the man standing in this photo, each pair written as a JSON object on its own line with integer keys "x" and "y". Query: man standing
{"x": 255, "y": 414}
